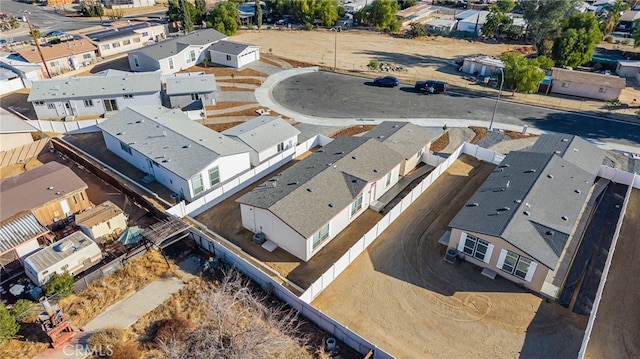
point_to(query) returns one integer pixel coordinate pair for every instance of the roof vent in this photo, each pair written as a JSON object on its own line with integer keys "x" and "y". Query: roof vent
{"x": 186, "y": 146}
{"x": 577, "y": 191}
{"x": 565, "y": 218}
{"x": 395, "y": 126}
{"x": 575, "y": 150}
{"x": 508, "y": 184}
{"x": 293, "y": 183}
{"x": 557, "y": 152}
{"x": 140, "y": 121}
{"x": 50, "y": 188}
{"x": 329, "y": 164}
{"x": 518, "y": 201}
{"x": 550, "y": 233}
{"x": 565, "y": 140}
{"x": 504, "y": 209}
{"x": 504, "y": 165}
{"x": 526, "y": 213}
{"x": 381, "y": 136}
{"x": 549, "y": 175}
{"x": 58, "y": 193}
{"x": 354, "y": 181}
{"x": 167, "y": 160}
{"x": 61, "y": 247}
{"x": 531, "y": 170}
{"x": 354, "y": 157}
{"x": 120, "y": 133}
{"x": 309, "y": 189}
{"x": 321, "y": 150}
{"x": 331, "y": 205}
{"x": 474, "y": 204}
{"x": 527, "y": 205}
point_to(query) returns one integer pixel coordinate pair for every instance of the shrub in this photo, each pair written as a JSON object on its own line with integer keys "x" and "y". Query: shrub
{"x": 61, "y": 284}
{"x": 308, "y": 26}
{"x": 626, "y": 41}
{"x": 444, "y": 128}
{"x": 374, "y": 64}
{"x": 126, "y": 350}
{"x": 8, "y": 325}
{"x": 105, "y": 340}
{"x": 608, "y": 39}
{"x": 21, "y": 309}
{"x": 175, "y": 328}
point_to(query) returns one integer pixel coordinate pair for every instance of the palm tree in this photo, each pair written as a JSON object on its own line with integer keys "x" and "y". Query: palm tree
{"x": 613, "y": 12}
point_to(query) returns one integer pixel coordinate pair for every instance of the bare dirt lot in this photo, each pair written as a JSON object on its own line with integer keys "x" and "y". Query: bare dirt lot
{"x": 616, "y": 332}
{"x": 404, "y": 297}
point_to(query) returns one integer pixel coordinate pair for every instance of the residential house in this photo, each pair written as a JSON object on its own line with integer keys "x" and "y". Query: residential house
{"x": 586, "y": 84}
{"x": 481, "y": 65}
{"x": 28, "y": 72}
{"x": 304, "y": 207}
{"x": 405, "y": 138}
{"x": 14, "y": 132}
{"x": 176, "y": 54}
{"x": 73, "y": 253}
{"x": 445, "y": 25}
{"x": 233, "y": 54}
{"x": 120, "y": 4}
{"x": 183, "y": 89}
{"x": 416, "y": 14}
{"x": 472, "y": 22}
{"x": 265, "y": 136}
{"x": 628, "y": 68}
{"x": 627, "y": 21}
{"x": 126, "y": 36}
{"x": 20, "y": 235}
{"x": 523, "y": 220}
{"x": 102, "y": 220}
{"x": 62, "y": 57}
{"x": 96, "y": 95}
{"x": 51, "y": 192}
{"x": 181, "y": 154}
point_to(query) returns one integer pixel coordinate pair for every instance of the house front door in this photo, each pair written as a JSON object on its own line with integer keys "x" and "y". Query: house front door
{"x": 68, "y": 111}
{"x": 65, "y": 208}
{"x": 372, "y": 193}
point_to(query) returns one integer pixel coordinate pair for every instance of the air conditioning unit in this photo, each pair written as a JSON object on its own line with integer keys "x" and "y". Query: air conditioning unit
{"x": 70, "y": 118}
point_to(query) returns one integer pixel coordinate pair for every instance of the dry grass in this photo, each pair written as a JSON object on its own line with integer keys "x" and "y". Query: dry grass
{"x": 224, "y": 71}
{"x": 126, "y": 350}
{"x": 235, "y": 89}
{"x": 353, "y": 130}
{"x": 481, "y": 133}
{"x": 219, "y": 127}
{"x": 296, "y": 63}
{"x": 106, "y": 338}
{"x": 441, "y": 143}
{"x": 226, "y": 105}
{"x": 270, "y": 62}
{"x": 19, "y": 349}
{"x": 84, "y": 306}
{"x": 515, "y": 135}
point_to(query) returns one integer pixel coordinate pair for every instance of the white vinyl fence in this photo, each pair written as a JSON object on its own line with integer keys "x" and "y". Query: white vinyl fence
{"x": 232, "y": 186}
{"x": 83, "y": 126}
{"x": 337, "y": 330}
{"x": 361, "y": 245}
{"x": 619, "y": 176}
{"x": 631, "y": 181}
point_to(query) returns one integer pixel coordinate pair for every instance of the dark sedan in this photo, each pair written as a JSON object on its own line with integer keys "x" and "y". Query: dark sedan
{"x": 387, "y": 81}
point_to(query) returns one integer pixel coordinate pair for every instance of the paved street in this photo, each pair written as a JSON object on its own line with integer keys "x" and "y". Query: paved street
{"x": 329, "y": 95}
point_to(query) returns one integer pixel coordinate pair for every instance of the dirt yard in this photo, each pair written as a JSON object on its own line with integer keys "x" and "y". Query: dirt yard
{"x": 401, "y": 295}
{"x": 616, "y": 332}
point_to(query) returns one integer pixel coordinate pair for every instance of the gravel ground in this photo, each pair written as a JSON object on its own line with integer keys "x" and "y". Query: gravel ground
{"x": 493, "y": 138}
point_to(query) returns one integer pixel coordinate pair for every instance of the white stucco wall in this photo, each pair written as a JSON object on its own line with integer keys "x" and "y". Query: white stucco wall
{"x": 74, "y": 261}
{"x": 76, "y": 107}
{"x": 26, "y": 248}
{"x": 109, "y": 226}
{"x": 12, "y": 140}
{"x": 273, "y": 150}
{"x": 258, "y": 219}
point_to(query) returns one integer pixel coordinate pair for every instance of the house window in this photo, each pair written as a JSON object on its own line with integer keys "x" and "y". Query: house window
{"x": 280, "y": 146}
{"x": 86, "y": 56}
{"x": 476, "y": 247}
{"x": 64, "y": 267}
{"x": 126, "y": 42}
{"x": 115, "y": 44}
{"x": 320, "y": 236}
{"x": 110, "y": 105}
{"x": 128, "y": 96}
{"x": 171, "y": 63}
{"x": 190, "y": 56}
{"x": 228, "y": 57}
{"x": 51, "y": 106}
{"x": 194, "y": 96}
{"x": 196, "y": 183}
{"x": 38, "y": 103}
{"x": 602, "y": 90}
{"x": 387, "y": 180}
{"x": 516, "y": 265}
{"x": 75, "y": 200}
{"x": 125, "y": 148}
{"x": 105, "y": 47}
{"x": 136, "y": 40}
{"x": 356, "y": 205}
{"x": 214, "y": 176}
{"x": 565, "y": 84}
{"x": 54, "y": 63}
{"x": 145, "y": 33}
{"x": 108, "y": 224}
{"x": 88, "y": 103}
{"x": 82, "y": 196}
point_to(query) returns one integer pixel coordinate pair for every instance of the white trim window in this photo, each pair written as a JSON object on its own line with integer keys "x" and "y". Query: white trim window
{"x": 516, "y": 265}
{"x": 88, "y": 103}
{"x": 387, "y": 180}
{"x": 170, "y": 60}
{"x": 475, "y": 247}
{"x": 196, "y": 184}
{"x": 356, "y": 205}
{"x": 214, "y": 176}
{"x": 321, "y": 236}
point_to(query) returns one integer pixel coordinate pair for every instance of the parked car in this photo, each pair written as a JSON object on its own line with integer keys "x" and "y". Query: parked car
{"x": 54, "y": 33}
{"x": 387, "y": 81}
{"x": 431, "y": 86}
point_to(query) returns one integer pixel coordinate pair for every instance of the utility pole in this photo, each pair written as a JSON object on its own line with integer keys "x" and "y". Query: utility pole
{"x": 37, "y": 41}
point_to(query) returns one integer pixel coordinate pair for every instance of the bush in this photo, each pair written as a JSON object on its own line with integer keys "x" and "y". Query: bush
{"x": 374, "y": 64}
{"x": 8, "y": 325}
{"x": 61, "y": 284}
{"x": 308, "y": 26}
{"x": 105, "y": 340}
{"x": 626, "y": 41}
{"x": 21, "y": 309}
{"x": 173, "y": 328}
{"x": 608, "y": 39}
{"x": 126, "y": 350}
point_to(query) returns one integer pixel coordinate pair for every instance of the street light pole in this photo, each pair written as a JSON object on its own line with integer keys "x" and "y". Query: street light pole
{"x": 37, "y": 42}
{"x": 497, "y": 99}
{"x": 335, "y": 49}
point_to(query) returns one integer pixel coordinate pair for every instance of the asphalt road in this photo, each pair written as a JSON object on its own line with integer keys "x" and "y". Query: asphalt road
{"x": 330, "y": 95}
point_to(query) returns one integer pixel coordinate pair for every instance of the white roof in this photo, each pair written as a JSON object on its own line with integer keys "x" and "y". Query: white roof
{"x": 10, "y": 123}
{"x": 73, "y": 244}
{"x": 486, "y": 60}
{"x": 262, "y": 132}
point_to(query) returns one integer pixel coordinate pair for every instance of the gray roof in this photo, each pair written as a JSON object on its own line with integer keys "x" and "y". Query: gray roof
{"x": 230, "y": 47}
{"x": 262, "y": 132}
{"x": 18, "y": 230}
{"x": 178, "y": 85}
{"x": 10, "y": 123}
{"x": 37, "y": 187}
{"x": 111, "y": 83}
{"x": 58, "y": 251}
{"x": 311, "y": 192}
{"x": 173, "y": 46}
{"x": 573, "y": 149}
{"x": 403, "y": 137}
{"x": 170, "y": 138}
{"x": 532, "y": 201}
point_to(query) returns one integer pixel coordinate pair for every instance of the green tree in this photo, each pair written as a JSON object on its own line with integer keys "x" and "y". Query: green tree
{"x": 258, "y": 14}
{"x": 611, "y": 15}
{"x": 174, "y": 13}
{"x": 579, "y": 38}
{"x": 21, "y": 309}
{"x": 8, "y": 325}
{"x": 636, "y": 34}
{"x": 521, "y": 74}
{"x": 326, "y": 11}
{"x": 417, "y": 29}
{"x": 187, "y": 19}
{"x": 405, "y": 4}
{"x": 381, "y": 14}
{"x": 504, "y": 6}
{"x": 544, "y": 62}
{"x": 496, "y": 24}
{"x": 201, "y": 6}
{"x": 61, "y": 284}
{"x": 224, "y": 17}
{"x": 544, "y": 19}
